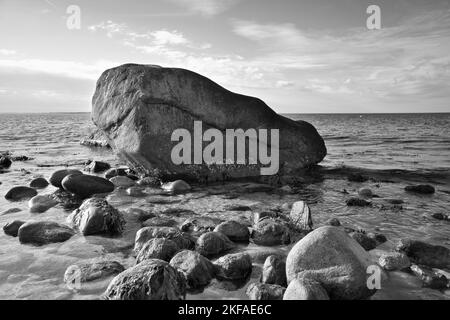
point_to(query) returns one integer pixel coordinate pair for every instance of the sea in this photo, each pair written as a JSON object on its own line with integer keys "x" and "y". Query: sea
{"x": 396, "y": 150}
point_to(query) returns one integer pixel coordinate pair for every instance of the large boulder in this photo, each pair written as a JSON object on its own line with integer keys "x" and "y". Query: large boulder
{"x": 305, "y": 289}
{"x": 198, "y": 270}
{"x": 138, "y": 107}
{"x": 333, "y": 259}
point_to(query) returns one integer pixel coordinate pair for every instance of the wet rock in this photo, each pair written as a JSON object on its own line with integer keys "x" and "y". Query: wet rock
{"x": 159, "y": 222}
{"x": 302, "y": 288}
{"x": 98, "y": 166}
{"x": 365, "y": 193}
{"x": 421, "y": 188}
{"x": 96, "y": 216}
{"x": 122, "y": 182}
{"x": 157, "y": 248}
{"x": 145, "y": 234}
{"x": 39, "y": 183}
{"x": 135, "y": 192}
{"x": 58, "y": 176}
{"x": 149, "y": 182}
{"x": 425, "y": 254}
{"x": 213, "y": 243}
{"x": 41, "y": 203}
{"x": 86, "y": 186}
{"x": 12, "y": 228}
{"x": 301, "y": 216}
{"x": 358, "y": 202}
{"x": 140, "y": 214}
{"x": 264, "y": 214}
{"x": 263, "y": 291}
{"x": 334, "y": 222}
{"x": 176, "y": 186}
{"x": 114, "y": 172}
{"x": 198, "y": 270}
{"x": 90, "y": 271}
{"x": 10, "y": 211}
{"x": 233, "y": 266}
{"x": 234, "y": 230}
{"x": 5, "y": 162}
{"x": 270, "y": 232}
{"x": 364, "y": 241}
{"x": 199, "y": 225}
{"x": 274, "y": 271}
{"x": 44, "y": 232}
{"x": 394, "y": 261}
{"x": 149, "y": 280}
{"x": 430, "y": 278}
{"x": 355, "y": 177}
{"x": 236, "y": 207}
{"x": 378, "y": 237}
{"x": 66, "y": 199}
{"x": 342, "y": 274}
{"x": 440, "y": 216}
{"x": 20, "y": 193}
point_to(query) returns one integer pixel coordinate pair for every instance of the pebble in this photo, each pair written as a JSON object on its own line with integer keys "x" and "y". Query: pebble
{"x": 39, "y": 183}
{"x": 20, "y": 193}
{"x": 12, "y": 228}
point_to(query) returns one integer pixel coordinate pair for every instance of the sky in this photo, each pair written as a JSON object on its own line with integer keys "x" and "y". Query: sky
{"x": 299, "y": 56}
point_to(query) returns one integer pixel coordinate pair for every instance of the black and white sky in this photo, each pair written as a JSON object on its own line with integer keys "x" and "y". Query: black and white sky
{"x": 299, "y": 56}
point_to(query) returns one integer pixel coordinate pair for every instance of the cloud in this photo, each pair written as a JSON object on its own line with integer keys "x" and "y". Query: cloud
{"x": 7, "y": 52}
{"x": 206, "y": 7}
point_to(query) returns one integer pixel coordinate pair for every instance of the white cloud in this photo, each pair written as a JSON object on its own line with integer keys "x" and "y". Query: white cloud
{"x": 206, "y": 7}
{"x": 7, "y": 52}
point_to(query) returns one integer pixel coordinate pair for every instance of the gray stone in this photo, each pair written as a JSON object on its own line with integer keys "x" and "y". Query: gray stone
{"x": 174, "y": 234}
{"x": 213, "y": 243}
{"x": 90, "y": 271}
{"x": 122, "y": 182}
{"x": 176, "y": 186}
{"x": 58, "y": 176}
{"x": 234, "y": 230}
{"x": 364, "y": 241}
{"x": 305, "y": 289}
{"x": 85, "y": 186}
{"x": 198, "y": 270}
{"x": 20, "y": 193}
{"x": 199, "y": 225}
{"x": 98, "y": 166}
{"x": 270, "y": 232}
{"x": 39, "y": 183}
{"x": 430, "y": 278}
{"x": 394, "y": 261}
{"x": 44, "y": 232}
{"x": 425, "y": 254}
{"x": 12, "y": 228}
{"x": 233, "y": 266}
{"x": 301, "y": 216}
{"x": 274, "y": 271}
{"x": 41, "y": 203}
{"x": 263, "y": 291}
{"x": 157, "y": 248}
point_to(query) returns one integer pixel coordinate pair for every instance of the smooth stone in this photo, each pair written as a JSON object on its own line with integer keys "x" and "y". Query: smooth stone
{"x": 20, "y": 193}
{"x": 270, "y": 232}
{"x": 305, "y": 289}
{"x": 301, "y": 216}
{"x": 199, "y": 225}
{"x": 96, "y": 216}
{"x": 233, "y": 266}
{"x": 234, "y": 230}
{"x": 159, "y": 222}
{"x": 41, "y": 203}
{"x": 98, "y": 166}
{"x": 145, "y": 234}
{"x": 5, "y": 162}
{"x": 425, "y": 254}
{"x": 12, "y": 228}
{"x": 430, "y": 278}
{"x": 157, "y": 248}
{"x": 421, "y": 188}
{"x": 135, "y": 192}
{"x": 365, "y": 193}
{"x": 44, "y": 232}
{"x": 122, "y": 182}
{"x": 176, "y": 186}
{"x": 357, "y": 202}
{"x": 39, "y": 183}
{"x": 198, "y": 270}
{"x": 85, "y": 186}
{"x": 364, "y": 241}
{"x": 149, "y": 280}
{"x": 394, "y": 261}
{"x": 343, "y": 274}
{"x": 58, "y": 176}
{"x": 213, "y": 243}
{"x": 263, "y": 291}
{"x": 90, "y": 271}
{"x": 114, "y": 172}
{"x": 334, "y": 222}
{"x": 274, "y": 271}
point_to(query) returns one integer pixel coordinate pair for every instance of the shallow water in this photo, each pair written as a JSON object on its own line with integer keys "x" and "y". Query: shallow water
{"x": 28, "y": 272}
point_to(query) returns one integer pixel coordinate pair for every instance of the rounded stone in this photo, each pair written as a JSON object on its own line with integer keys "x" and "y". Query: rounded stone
{"x": 157, "y": 248}
{"x": 20, "y": 193}
{"x": 58, "y": 176}
{"x": 85, "y": 186}
{"x": 234, "y": 230}
{"x": 39, "y": 183}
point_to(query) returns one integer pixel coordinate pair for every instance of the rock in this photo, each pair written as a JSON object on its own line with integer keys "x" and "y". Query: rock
{"x": 21, "y": 158}
{"x": 264, "y": 214}
{"x": 85, "y": 186}
{"x": 263, "y": 291}
{"x": 90, "y": 271}
{"x": 145, "y": 234}
{"x": 430, "y": 279}
{"x": 270, "y": 232}
{"x": 122, "y": 182}
{"x": 98, "y": 166}
{"x": 213, "y": 243}
{"x": 171, "y": 98}
{"x": 342, "y": 274}
{"x": 234, "y": 230}
{"x": 305, "y": 289}
{"x": 199, "y": 225}
{"x": 176, "y": 186}
{"x": 149, "y": 280}
{"x": 421, "y": 188}
{"x": 358, "y": 202}
{"x": 149, "y": 182}
{"x": 356, "y": 177}
{"x": 301, "y": 216}
{"x": 159, "y": 222}
{"x": 425, "y": 254}
{"x": 44, "y": 232}
{"x": 135, "y": 192}
{"x": 198, "y": 270}
{"x": 66, "y": 199}
{"x": 236, "y": 207}
{"x": 233, "y": 266}
{"x": 96, "y": 139}
{"x": 394, "y": 261}
{"x": 364, "y": 241}
{"x": 12, "y": 228}
{"x": 5, "y": 162}
{"x": 20, "y": 193}
{"x": 439, "y": 216}
{"x": 157, "y": 248}
{"x": 334, "y": 222}
{"x": 114, "y": 172}
{"x": 378, "y": 237}
{"x": 274, "y": 271}
{"x": 39, "y": 183}
{"x": 394, "y": 201}
{"x": 40, "y": 204}
{"x": 58, "y": 176}
{"x": 96, "y": 216}
{"x": 10, "y": 211}
{"x": 140, "y": 214}
{"x": 365, "y": 193}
